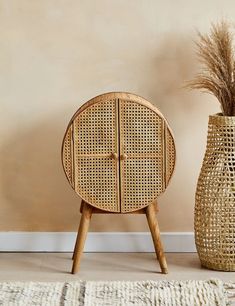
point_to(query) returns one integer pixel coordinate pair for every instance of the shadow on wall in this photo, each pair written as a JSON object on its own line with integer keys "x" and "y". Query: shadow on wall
{"x": 37, "y": 195}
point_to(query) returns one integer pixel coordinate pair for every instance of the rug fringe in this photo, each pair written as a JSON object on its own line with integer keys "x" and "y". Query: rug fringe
{"x": 228, "y": 286}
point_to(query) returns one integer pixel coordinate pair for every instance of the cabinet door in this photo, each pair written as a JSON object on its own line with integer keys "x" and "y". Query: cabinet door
{"x": 94, "y": 170}
{"x": 142, "y": 155}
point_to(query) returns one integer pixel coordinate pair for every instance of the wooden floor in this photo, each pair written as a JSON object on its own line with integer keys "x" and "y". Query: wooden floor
{"x": 103, "y": 266}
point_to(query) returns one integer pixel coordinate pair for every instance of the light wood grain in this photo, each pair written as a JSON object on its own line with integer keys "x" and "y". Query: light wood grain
{"x": 155, "y": 232}
{"x": 81, "y": 236}
{"x": 87, "y": 210}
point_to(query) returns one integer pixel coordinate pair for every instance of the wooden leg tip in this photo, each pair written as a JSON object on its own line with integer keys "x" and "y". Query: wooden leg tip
{"x": 164, "y": 271}
{"x": 74, "y": 270}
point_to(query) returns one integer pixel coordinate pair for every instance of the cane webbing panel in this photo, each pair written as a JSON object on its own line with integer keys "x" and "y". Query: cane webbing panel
{"x": 96, "y": 177}
{"x": 96, "y": 182}
{"x": 141, "y": 129}
{"x": 95, "y": 129}
{"x": 142, "y": 140}
{"x": 141, "y": 182}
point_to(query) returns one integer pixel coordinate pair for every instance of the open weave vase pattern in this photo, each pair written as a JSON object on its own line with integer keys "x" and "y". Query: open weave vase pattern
{"x": 215, "y": 197}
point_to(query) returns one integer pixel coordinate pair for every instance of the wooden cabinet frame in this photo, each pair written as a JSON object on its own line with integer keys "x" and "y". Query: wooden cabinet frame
{"x": 118, "y": 154}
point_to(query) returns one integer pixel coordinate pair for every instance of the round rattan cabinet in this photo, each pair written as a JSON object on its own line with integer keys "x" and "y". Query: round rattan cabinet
{"x": 118, "y": 152}
{"x": 215, "y": 197}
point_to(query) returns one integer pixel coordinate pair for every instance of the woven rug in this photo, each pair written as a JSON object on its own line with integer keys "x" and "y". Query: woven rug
{"x": 116, "y": 293}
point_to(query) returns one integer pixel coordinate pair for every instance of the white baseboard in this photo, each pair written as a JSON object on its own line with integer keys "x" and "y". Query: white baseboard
{"x": 96, "y": 242}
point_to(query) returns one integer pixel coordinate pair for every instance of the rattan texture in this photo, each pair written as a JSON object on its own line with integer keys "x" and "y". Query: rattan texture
{"x": 215, "y": 197}
{"x": 118, "y": 152}
{"x": 142, "y": 173}
{"x": 96, "y": 173}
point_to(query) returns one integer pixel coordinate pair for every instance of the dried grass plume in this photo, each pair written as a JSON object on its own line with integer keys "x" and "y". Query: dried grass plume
{"x": 216, "y": 54}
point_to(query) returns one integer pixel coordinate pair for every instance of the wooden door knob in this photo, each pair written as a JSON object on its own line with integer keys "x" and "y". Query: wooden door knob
{"x": 114, "y": 156}
{"x": 124, "y": 157}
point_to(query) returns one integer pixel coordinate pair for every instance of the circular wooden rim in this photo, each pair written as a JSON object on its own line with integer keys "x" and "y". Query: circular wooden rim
{"x": 127, "y": 97}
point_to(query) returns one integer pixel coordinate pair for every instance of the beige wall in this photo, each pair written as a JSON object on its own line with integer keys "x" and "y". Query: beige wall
{"x": 55, "y": 55}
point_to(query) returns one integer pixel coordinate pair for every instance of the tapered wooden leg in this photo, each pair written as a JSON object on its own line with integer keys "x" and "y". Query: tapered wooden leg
{"x": 81, "y": 236}
{"x": 154, "y": 229}
{"x": 76, "y": 244}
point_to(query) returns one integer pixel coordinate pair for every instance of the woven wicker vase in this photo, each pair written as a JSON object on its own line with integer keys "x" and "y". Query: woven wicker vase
{"x": 214, "y": 221}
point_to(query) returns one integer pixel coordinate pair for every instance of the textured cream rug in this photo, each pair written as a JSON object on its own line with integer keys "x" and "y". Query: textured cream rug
{"x": 116, "y": 293}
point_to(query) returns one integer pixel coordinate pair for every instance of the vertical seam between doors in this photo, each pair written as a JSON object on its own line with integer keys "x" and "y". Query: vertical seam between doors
{"x": 119, "y": 159}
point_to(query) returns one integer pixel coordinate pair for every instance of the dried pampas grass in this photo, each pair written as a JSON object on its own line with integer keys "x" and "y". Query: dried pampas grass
{"x": 216, "y": 54}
